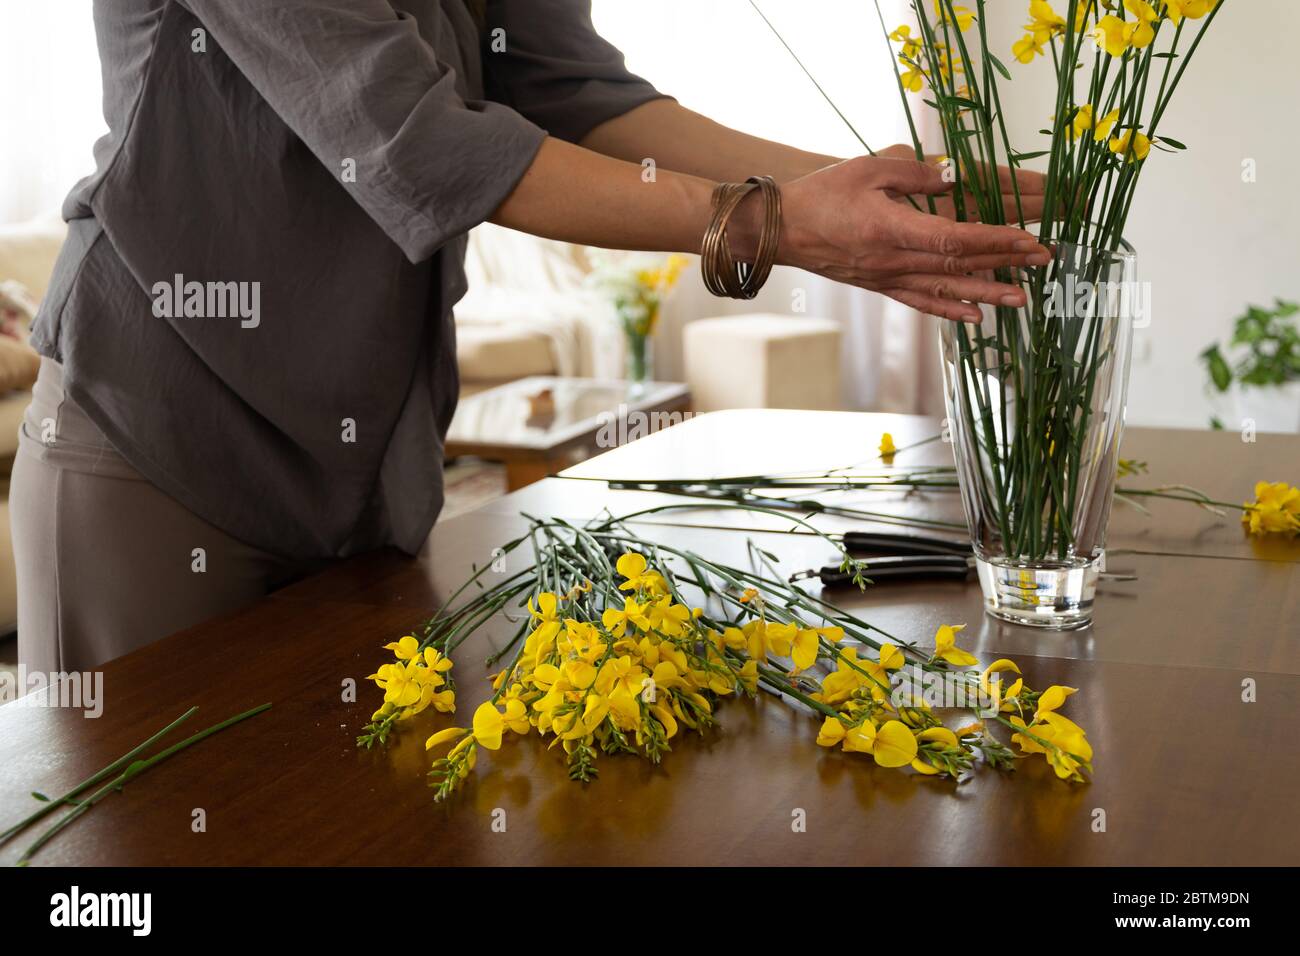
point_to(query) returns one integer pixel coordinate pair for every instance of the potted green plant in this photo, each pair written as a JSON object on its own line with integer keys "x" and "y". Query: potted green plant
{"x": 1262, "y": 369}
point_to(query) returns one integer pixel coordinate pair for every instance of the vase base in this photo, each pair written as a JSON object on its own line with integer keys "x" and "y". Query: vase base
{"x": 1056, "y": 597}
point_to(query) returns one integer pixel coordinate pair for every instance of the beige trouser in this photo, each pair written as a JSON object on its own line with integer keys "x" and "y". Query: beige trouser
{"x": 106, "y": 562}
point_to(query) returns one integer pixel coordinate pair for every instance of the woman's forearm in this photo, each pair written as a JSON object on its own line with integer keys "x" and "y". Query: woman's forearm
{"x": 683, "y": 140}
{"x": 845, "y": 221}
{"x": 577, "y": 195}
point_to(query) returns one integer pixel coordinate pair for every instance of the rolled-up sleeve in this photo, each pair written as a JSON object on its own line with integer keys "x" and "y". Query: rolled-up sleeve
{"x": 545, "y": 59}
{"x": 356, "y": 82}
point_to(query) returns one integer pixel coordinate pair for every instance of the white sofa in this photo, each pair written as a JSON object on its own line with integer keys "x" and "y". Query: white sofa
{"x": 529, "y": 312}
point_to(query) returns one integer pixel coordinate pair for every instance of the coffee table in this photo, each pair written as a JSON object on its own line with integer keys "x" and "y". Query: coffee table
{"x": 540, "y": 425}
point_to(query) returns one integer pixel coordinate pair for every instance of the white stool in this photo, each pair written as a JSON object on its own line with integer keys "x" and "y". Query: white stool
{"x": 762, "y": 361}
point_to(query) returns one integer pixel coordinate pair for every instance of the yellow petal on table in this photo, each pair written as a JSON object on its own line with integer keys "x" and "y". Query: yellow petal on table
{"x": 594, "y": 712}
{"x": 804, "y": 652}
{"x": 404, "y": 649}
{"x": 831, "y": 733}
{"x": 945, "y": 646}
{"x": 891, "y": 657}
{"x": 545, "y": 675}
{"x": 780, "y": 638}
{"x": 895, "y": 746}
{"x": 941, "y": 734}
{"x": 1051, "y": 699}
{"x": 443, "y": 736}
{"x": 631, "y": 564}
{"x": 665, "y": 717}
{"x": 488, "y": 725}
{"x": 579, "y": 673}
{"x": 861, "y": 739}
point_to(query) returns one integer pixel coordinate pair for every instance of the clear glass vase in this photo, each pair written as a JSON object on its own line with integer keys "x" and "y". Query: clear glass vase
{"x": 1035, "y": 399}
{"x": 640, "y": 361}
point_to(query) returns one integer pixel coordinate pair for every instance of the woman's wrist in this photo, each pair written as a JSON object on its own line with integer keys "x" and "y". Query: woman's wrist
{"x": 738, "y": 252}
{"x": 745, "y": 228}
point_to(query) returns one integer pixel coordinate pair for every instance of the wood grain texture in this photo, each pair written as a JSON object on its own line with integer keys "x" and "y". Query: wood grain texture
{"x": 1185, "y": 771}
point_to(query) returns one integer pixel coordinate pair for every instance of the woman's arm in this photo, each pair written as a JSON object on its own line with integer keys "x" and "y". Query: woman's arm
{"x": 681, "y": 139}
{"x": 847, "y": 222}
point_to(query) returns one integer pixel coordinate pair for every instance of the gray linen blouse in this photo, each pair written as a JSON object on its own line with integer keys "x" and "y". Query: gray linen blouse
{"x": 254, "y": 302}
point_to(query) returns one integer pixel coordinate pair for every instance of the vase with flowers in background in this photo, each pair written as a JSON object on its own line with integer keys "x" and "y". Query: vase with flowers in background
{"x": 637, "y": 285}
{"x": 1036, "y": 394}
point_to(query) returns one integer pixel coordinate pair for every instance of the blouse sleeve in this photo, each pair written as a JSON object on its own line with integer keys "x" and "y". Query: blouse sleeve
{"x": 355, "y": 81}
{"x": 545, "y": 59}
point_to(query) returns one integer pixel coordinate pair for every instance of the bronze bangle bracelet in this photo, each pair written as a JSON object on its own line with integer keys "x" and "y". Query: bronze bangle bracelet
{"x": 719, "y": 269}
{"x": 723, "y": 276}
{"x": 765, "y": 256}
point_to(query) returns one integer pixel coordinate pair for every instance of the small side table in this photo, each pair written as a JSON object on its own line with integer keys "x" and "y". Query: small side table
{"x": 540, "y": 425}
{"x": 763, "y": 360}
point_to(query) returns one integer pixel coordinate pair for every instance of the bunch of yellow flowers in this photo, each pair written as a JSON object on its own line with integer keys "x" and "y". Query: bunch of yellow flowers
{"x": 648, "y": 667}
{"x": 896, "y": 723}
{"x": 419, "y": 678}
{"x": 625, "y": 683}
{"x": 1112, "y": 32}
{"x": 917, "y": 56}
{"x": 652, "y": 285}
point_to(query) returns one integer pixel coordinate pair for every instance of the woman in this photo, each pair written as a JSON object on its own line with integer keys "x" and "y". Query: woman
{"x": 249, "y": 355}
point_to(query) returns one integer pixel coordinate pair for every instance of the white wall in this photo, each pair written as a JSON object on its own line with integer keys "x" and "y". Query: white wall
{"x": 49, "y": 103}
{"x": 720, "y": 59}
{"x": 1207, "y": 242}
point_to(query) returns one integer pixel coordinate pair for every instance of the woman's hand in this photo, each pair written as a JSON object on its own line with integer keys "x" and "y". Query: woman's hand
{"x": 1028, "y": 184}
{"x": 851, "y": 222}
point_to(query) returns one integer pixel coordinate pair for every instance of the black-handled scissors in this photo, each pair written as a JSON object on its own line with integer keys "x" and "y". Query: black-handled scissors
{"x": 898, "y": 557}
{"x": 904, "y": 557}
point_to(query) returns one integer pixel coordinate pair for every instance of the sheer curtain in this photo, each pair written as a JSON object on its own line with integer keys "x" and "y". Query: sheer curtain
{"x": 49, "y": 101}
{"x": 720, "y": 59}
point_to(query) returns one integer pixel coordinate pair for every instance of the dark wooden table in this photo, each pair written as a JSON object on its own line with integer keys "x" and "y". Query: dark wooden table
{"x": 1186, "y": 772}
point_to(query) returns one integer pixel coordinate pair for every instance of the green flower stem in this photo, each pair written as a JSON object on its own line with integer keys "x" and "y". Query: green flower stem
{"x": 902, "y": 93}
{"x": 1194, "y": 498}
{"x": 783, "y": 515}
{"x": 776, "y": 681}
{"x": 132, "y": 771}
{"x": 89, "y": 782}
{"x": 782, "y": 507}
{"x": 806, "y": 72}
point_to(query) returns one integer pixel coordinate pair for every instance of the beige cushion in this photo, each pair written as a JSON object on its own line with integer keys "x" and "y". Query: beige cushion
{"x": 28, "y": 251}
{"x": 763, "y": 361}
{"x": 501, "y": 353}
{"x": 506, "y": 259}
{"x": 19, "y": 364}
{"x": 27, "y": 254}
{"x": 12, "y": 407}
{"x": 8, "y": 581}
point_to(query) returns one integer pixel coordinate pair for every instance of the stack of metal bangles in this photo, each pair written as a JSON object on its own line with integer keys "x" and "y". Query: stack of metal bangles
{"x": 723, "y": 275}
